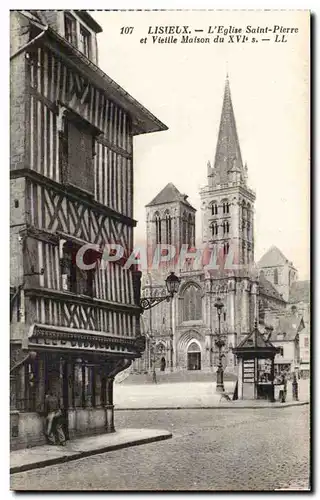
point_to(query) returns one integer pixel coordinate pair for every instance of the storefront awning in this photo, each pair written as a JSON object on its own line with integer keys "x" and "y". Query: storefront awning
{"x": 49, "y": 337}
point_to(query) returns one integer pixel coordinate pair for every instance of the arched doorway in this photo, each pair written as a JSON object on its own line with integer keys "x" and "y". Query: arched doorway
{"x": 162, "y": 364}
{"x": 194, "y": 356}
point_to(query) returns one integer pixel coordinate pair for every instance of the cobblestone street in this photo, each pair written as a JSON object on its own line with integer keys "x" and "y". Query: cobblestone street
{"x": 259, "y": 449}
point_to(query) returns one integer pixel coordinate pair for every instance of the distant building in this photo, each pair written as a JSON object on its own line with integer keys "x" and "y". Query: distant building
{"x": 283, "y": 276}
{"x": 286, "y": 334}
{"x": 278, "y": 270}
{"x": 299, "y": 297}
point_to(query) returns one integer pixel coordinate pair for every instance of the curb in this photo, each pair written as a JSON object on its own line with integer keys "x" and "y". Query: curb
{"x": 222, "y": 406}
{"x": 82, "y": 454}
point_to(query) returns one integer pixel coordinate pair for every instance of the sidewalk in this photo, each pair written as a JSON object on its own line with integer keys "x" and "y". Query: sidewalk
{"x": 42, "y": 456}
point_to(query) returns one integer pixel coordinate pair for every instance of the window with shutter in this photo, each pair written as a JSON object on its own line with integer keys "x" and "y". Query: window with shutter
{"x": 79, "y": 171}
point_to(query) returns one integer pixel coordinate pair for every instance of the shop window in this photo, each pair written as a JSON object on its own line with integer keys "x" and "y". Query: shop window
{"x": 78, "y": 385}
{"x": 98, "y": 388}
{"x": 28, "y": 398}
{"x": 89, "y": 386}
{"x": 84, "y": 385}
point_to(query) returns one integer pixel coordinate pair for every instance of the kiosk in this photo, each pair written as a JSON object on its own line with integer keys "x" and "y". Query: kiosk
{"x": 255, "y": 360}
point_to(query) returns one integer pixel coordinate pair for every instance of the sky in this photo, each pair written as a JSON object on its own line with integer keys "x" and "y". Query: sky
{"x": 183, "y": 84}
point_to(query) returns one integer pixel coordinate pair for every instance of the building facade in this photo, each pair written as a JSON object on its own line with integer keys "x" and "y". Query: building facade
{"x": 299, "y": 297}
{"x": 73, "y": 327}
{"x": 280, "y": 273}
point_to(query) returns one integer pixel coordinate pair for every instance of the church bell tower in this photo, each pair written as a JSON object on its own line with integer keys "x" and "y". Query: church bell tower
{"x": 227, "y": 201}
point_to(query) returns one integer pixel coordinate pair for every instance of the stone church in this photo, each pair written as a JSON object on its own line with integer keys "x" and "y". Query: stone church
{"x": 181, "y": 333}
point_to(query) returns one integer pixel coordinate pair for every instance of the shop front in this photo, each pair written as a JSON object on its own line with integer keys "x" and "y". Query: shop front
{"x": 79, "y": 368}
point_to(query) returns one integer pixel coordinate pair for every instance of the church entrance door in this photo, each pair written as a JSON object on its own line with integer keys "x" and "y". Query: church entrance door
{"x": 194, "y": 357}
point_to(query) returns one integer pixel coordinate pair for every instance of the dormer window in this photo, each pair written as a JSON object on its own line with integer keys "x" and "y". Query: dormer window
{"x": 84, "y": 44}
{"x": 76, "y": 33}
{"x": 70, "y": 29}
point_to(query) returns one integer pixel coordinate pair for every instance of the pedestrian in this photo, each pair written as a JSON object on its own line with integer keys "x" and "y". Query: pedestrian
{"x": 294, "y": 388}
{"x": 285, "y": 383}
{"x": 154, "y": 376}
{"x": 54, "y": 425}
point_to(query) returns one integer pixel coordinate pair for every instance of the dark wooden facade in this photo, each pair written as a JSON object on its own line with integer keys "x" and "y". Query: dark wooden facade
{"x": 72, "y": 184}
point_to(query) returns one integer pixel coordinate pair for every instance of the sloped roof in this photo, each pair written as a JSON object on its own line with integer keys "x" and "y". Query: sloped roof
{"x": 255, "y": 340}
{"x": 267, "y": 288}
{"x": 170, "y": 194}
{"x": 142, "y": 119}
{"x": 299, "y": 292}
{"x": 288, "y": 325}
{"x": 273, "y": 258}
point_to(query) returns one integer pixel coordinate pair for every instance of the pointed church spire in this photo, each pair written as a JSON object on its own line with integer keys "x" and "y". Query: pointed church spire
{"x": 228, "y": 154}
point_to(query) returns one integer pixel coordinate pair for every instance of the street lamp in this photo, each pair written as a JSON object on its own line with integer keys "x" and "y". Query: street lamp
{"x": 172, "y": 283}
{"x": 219, "y": 342}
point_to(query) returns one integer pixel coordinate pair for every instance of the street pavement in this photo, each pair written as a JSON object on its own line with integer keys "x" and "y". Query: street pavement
{"x": 191, "y": 394}
{"x": 236, "y": 450}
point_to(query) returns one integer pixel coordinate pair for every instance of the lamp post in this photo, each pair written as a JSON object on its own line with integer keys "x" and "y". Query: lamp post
{"x": 172, "y": 284}
{"x": 219, "y": 342}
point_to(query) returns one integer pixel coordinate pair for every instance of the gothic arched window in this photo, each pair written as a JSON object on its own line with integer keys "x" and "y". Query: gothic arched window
{"x": 226, "y": 227}
{"x": 225, "y": 206}
{"x": 275, "y": 277}
{"x": 214, "y": 229}
{"x": 184, "y": 228}
{"x": 190, "y": 230}
{"x": 214, "y": 208}
{"x": 192, "y": 303}
{"x": 244, "y": 210}
{"x": 158, "y": 227}
{"x": 243, "y": 253}
{"x": 168, "y": 228}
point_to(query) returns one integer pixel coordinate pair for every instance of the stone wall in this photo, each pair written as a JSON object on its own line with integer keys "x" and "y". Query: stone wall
{"x": 27, "y": 429}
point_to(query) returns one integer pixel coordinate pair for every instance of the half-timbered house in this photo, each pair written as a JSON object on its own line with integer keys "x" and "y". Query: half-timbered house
{"x": 72, "y": 128}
